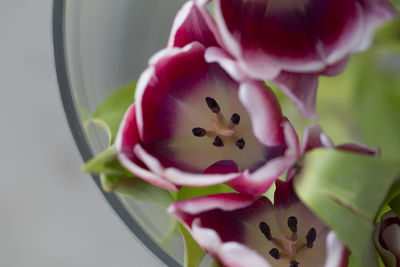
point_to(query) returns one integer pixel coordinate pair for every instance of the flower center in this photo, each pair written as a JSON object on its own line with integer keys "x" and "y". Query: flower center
{"x": 222, "y": 132}
{"x": 289, "y": 247}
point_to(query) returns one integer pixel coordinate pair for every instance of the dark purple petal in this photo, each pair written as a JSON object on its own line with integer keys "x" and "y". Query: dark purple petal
{"x": 222, "y": 167}
{"x": 284, "y": 194}
{"x": 217, "y": 212}
{"x": 305, "y": 35}
{"x": 314, "y": 137}
{"x": 191, "y": 25}
{"x": 169, "y": 77}
{"x": 359, "y": 148}
{"x": 127, "y": 139}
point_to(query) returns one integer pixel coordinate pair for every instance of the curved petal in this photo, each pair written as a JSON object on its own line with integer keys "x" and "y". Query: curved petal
{"x": 359, "y": 148}
{"x": 229, "y": 42}
{"x": 264, "y": 110}
{"x": 190, "y": 25}
{"x": 225, "y": 202}
{"x": 222, "y": 167}
{"x": 192, "y": 179}
{"x": 301, "y": 89}
{"x": 335, "y": 69}
{"x": 314, "y": 137}
{"x": 301, "y": 36}
{"x": 220, "y": 56}
{"x": 176, "y": 176}
{"x": 223, "y": 213}
{"x": 259, "y": 181}
{"x": 154, "y": 86}
{"x": 127, "y": 139}
{"x": 387, "y": 257}
{"x": 337, "y": 255}
{"x": 388, "y": 238}
{"x": 235, "y": 254}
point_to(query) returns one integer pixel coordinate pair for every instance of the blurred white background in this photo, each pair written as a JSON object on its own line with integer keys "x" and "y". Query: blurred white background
{"x": 51, "y": 214}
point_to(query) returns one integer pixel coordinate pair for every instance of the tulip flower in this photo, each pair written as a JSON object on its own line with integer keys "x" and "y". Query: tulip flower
{"x": 387, "y": 239}
{"x": 193, "y": 124}
{"x": 291, "y": 43}
{"x": 238, "y": 230}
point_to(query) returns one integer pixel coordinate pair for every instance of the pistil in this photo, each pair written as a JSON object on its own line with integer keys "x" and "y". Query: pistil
{"x": 288, "y": 248}
{"x": 221, "y": 132}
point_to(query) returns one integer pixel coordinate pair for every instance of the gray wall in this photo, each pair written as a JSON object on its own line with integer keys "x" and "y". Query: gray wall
{"x": 51, "y": 214}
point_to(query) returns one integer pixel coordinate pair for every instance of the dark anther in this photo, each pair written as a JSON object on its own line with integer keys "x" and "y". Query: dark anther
{"x": 213, "y": 105}
{"x": 199, "y": 132}
{"x": 218, "y": 141}
{"x": 240, "y": 143}
{"x": 275, "y": 253}
{"x": 265, "y": 230}
{"x": 294, "y": 264}
{"x": 235, "y": 118}
{"x": 292, "y": 223}
{"x": 311, "y": 235}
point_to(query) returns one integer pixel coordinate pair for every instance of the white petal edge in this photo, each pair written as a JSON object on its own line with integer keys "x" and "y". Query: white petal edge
{"x": 228, "y": 40}
{"x": 232, "y": 254}
{"x": 335, "y": 250}
{"x": 144, "y": 79}
{"x": 275, "y": 167}
{"x": 218, "y": 55}
{"x": 192, "y": 179}
{"x": 264, "y": 119}
{"x": 179, "y": 177}
{"x": 142, "y": 173}
{"x": 180, "y": 18}
{"x": 201, "y": 204}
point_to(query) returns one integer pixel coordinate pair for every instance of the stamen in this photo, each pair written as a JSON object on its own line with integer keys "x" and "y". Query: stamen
{"x": 311, "y": 235}
{"x": 235, "y": 119}
{"x": 213, "y": 105}
{"x": 199, "y": 132}
{"x": 294, "y": 264}
{"x": 292, "y": 223}
{"x": 240, "y": 143}
{"x": 275, "y": 253}
{"x": 266, "y": 230}
{"x": 218, "y": 141}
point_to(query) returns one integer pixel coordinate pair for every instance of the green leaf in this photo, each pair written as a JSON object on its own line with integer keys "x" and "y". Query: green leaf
{"x": 387, "y": 37}
{"x": 99, "y": 163}
{"x": 395, "y": 3}
{"x": 109, "y": 114}
{"x": 193, "y": 253}
{"x": 136, "y": 189}
{"x": 346, "y": 190}
{"x": 395, "y": 204}
{"x": 377, "y": 102}
{"x": 191, "y": 192}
